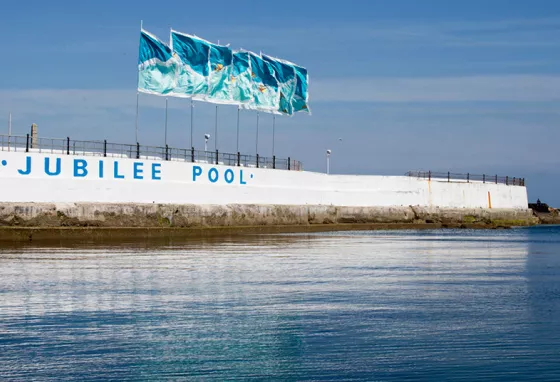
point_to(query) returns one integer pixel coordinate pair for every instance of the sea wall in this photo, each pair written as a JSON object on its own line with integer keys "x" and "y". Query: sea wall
{"x": 189, "y": 216}
{"x": 58, "y": 178}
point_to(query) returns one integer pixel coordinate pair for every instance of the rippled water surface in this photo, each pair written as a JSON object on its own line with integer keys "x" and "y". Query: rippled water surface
{"x": 417, "y": 305}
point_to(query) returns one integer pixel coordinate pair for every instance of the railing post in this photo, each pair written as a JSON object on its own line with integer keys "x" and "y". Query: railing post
{"x": 496, "y": 178}
{"x": 216, "y": 156}
{"x": 166, "y": 152}
{"x": 448, "y": 176}
{"x": 137, "y": 150}
{"x": 274, "y": 161}
{"x": 430, "y": 175}
{"x": 105, "y": 148}
{"x": 27, "y": 144}
{"x": 523, "y": 182}
{"x": 507, "y": 181}
{"x": 67, "y": 145}
{"x": 468, "y": 177}
{"x": 192, "y": 154}
{"x": 238, "y": 159}
{"x": 514, "y": 180}
{"x": 483, "y": 178}
{"x": 257, "y": 160}
{"x": 289, "y": 163}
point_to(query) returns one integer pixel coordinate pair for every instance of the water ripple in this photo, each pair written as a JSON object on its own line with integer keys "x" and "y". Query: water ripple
{"x": 421, "y": 305}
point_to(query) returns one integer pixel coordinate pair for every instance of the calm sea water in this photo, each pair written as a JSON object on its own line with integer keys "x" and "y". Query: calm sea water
{"x": 418, "y": 305}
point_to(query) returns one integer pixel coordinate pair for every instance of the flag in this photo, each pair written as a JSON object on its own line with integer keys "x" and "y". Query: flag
{"x": 157, "y": 68}
{"x": 285, "y": 74}
{"x": 241, "y": 80}
{"x": 221, "y": 64}
{"x": 266, "y": 96}
{"x": 300, "y": 101}
{"x": 193, "y": 55}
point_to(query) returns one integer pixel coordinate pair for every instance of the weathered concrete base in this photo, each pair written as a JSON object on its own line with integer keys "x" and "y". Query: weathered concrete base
{"x": 43, "y": 215}
{"x": 107, "y": 223}
{"x": 169, "y": 235}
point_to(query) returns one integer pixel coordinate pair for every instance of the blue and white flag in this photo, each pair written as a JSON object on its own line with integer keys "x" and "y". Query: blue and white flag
{"x": 266, "y": 96}
{"x": 300, "y": 101}
{"x": 157, "y": 68}
{"x": 241, "y": 79}
{"x": 194, "y": 69}
{"x": 221, "y": 65}
{"x": 285, "y": 74}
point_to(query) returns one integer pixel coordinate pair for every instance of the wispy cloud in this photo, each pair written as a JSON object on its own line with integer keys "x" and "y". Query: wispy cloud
{"x": 530, "y": 32}
{"x": 514, "y": 88}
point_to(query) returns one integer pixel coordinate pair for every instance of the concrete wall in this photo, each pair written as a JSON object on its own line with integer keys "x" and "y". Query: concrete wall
{"x": 56, "y": 178}
{"x": 243, "y": 215}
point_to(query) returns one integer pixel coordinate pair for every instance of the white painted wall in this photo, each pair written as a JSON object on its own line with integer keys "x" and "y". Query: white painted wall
{"x": 262, "y": 186}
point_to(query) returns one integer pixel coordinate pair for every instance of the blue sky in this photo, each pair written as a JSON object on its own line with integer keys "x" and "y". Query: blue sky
{"x": 441, "y": 85}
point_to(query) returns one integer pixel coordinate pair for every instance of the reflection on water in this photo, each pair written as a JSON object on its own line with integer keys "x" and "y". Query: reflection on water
{"x": 426, "y": 305}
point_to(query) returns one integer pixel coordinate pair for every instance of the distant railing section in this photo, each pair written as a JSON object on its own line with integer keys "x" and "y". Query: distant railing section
{"x": 454, "y": 177}
{"x": 66, "y": 146}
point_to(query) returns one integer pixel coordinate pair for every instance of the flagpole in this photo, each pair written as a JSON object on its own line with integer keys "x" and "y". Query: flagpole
{"x": 9, "y": 129}
{"x": 192, "y": 121}
{"x": 257, "y": 144}
{"x": 137, "y": 102}
{"x": 216, "y": 131}
{"x": 216, "y": 127}
{"x": 273, "y": 128}
{"x": 166, "y": 121}
{"x": 138, "y": 80}
{"x": 238, "y": 109}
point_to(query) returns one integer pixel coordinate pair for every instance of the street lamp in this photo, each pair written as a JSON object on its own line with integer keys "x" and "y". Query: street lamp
{"x": 206, "y": 138}
{"x": 328, "y": 160}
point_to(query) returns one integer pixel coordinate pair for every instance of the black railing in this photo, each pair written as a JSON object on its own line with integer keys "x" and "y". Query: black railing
{"x": 66, "y": 146}
{"x": 469, "y": 178}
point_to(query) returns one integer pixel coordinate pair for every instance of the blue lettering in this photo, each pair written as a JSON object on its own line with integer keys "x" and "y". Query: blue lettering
{"x": 138, "y": 170}
{"x": 228, "y": 175}
{"x": 156, "y": 171}
{"x": 47, "y": 167}
{"x": 196, "y": 172}
{"x": 241, "y": 181}
{"x": 210, "y": 177}
{"x": 116, "y": 171}
{"x": 100, "y": 169}
{"x": 80, "y": 165}
{"x": 27, "y": 170}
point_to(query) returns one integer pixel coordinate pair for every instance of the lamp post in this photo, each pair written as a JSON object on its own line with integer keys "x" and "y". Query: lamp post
{"x": 328, "y": 160}
{"x": 206, "y": 138}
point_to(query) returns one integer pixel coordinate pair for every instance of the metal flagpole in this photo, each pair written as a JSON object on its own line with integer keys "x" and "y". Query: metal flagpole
{"x": 137, "y": 103}
{"x": 257, "y": 144}
{"x": 166, "y": 121}
{"x": 238, "y": 108}
{"x": 216, "y": 127}
{"x": 192, "y": 119}
{"x": 216, "y": 131}
{"x": 273, "y": 128}
{"x": 9, "y": 129}
{"x": 137, "y": 80}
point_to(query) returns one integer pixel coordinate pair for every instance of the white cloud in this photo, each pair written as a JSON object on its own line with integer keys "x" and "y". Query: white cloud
{"x": 79, "y": 101}
{"x": 512, "y": 88}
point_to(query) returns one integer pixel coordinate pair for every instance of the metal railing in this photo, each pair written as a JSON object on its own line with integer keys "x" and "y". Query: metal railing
{"x": 66, "y": 146}
{"x": 468, "y": 178}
